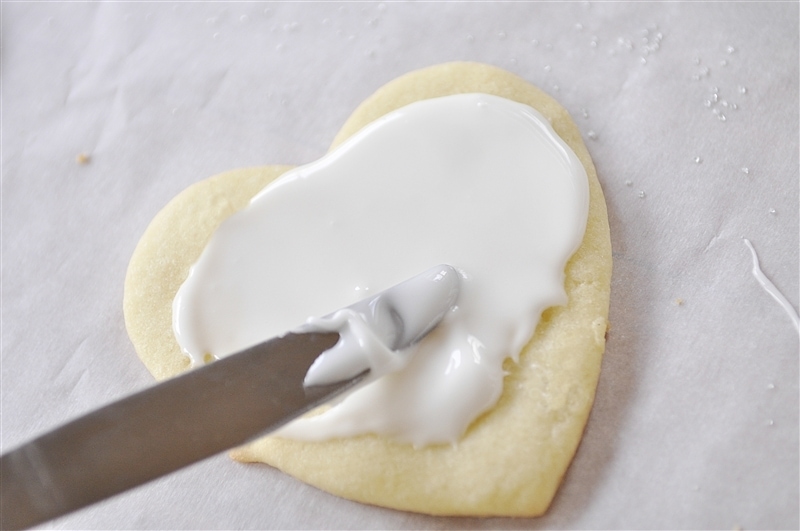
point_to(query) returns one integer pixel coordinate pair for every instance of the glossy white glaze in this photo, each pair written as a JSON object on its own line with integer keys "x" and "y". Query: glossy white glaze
{"x": 770, "y": 288}
{"x": 375, "y": 331}
{"x": 472, "y": 180}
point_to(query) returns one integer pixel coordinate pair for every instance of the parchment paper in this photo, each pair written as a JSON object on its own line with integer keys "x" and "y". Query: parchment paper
{"x": 690, "y": 111}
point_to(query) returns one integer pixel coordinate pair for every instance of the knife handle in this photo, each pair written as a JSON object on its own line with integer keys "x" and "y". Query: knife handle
{"x": 161, "y": 429}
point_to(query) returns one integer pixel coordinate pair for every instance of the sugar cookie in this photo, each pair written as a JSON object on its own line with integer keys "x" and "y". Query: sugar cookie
{"x": 512, "y": 459}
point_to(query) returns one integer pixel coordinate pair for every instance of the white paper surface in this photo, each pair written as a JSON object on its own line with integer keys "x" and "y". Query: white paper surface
{"x": 696, "y": 419}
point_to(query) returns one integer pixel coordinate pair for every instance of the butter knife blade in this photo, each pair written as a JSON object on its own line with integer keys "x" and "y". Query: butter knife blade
{"x": 164, "y": 428}
{"x": 204, "y": 411}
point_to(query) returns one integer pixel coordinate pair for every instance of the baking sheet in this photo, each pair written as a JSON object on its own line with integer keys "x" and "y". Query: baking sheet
{"x": 690, "y": 111}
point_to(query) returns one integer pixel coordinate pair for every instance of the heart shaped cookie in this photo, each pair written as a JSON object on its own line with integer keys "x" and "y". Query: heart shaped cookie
{"x": 512, "y": 458}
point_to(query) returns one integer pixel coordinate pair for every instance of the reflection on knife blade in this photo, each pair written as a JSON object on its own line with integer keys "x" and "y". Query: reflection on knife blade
{"x": 219, "y": 406}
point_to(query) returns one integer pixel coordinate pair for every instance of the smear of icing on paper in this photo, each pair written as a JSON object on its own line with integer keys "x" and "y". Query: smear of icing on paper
{"x": 770, "y": 288}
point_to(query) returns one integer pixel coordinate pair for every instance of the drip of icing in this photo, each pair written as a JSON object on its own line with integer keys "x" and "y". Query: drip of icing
{"x": 770, "y": 288}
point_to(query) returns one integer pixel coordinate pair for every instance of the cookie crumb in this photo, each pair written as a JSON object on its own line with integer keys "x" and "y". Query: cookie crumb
{"x": 82, "y": 158}
{"x": 678, "y": 302}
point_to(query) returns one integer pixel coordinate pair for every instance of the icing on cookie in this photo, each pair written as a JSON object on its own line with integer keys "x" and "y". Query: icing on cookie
{"x": 473, "y": 180}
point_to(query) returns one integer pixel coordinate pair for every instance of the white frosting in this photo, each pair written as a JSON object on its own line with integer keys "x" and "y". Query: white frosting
{"x": 373, "y": 330}
{"x": 770, "y": 288}
{"x": 472, "y": 180}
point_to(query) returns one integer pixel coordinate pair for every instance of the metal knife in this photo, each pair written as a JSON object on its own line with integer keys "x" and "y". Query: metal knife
{"x": 201, "y": 413}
